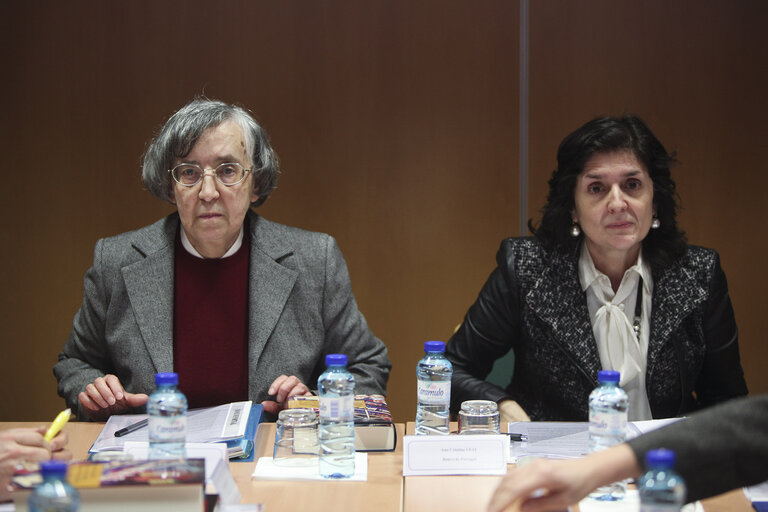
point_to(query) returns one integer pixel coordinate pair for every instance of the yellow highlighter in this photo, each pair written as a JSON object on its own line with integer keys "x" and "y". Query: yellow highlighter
{"x": 58, "y": 424}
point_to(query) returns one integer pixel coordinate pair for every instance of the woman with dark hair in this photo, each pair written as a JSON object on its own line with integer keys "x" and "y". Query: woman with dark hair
{"x": 607, "y": 282}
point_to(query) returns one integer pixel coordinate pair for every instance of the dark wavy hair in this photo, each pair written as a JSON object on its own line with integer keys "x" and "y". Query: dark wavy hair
{"x": 606, "y": 135}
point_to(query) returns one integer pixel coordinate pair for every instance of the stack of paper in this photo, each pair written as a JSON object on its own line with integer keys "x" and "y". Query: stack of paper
{"x": 233, "y": 423}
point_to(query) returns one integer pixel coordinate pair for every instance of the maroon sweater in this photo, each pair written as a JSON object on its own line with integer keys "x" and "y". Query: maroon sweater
{"x": 210, "y": 326}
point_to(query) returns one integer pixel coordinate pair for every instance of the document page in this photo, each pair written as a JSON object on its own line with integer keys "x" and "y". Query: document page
{"x": 562, "y": 439}
{"x": 554, "y": 440}
{"x": 207, "y": 425}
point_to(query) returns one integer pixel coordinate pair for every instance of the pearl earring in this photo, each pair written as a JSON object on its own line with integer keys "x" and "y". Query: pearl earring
{"x": 575, "y": 231}
{"x": 656, "y": 224}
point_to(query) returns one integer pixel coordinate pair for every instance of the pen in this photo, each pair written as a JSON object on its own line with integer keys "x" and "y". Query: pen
{"x": 520, "y": 438}
{"x": 58, "y": 424}
{"x": 131, "y": 428}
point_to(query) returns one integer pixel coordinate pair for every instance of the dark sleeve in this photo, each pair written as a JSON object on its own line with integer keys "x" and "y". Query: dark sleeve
{"x": 719, "y": 449}
{"x": 487, "y": 333}
{"x": 85, "y": 357}
{"x": 721, "y": 377}
{"x": 346, "y": 330}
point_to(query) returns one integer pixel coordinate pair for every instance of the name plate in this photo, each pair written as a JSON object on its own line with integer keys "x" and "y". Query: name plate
{"x": 455, "y": 455}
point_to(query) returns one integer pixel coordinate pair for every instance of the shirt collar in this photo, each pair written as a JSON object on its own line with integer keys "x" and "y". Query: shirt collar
{"x": 191, "y": 250}
{"x": 588, "y": 273}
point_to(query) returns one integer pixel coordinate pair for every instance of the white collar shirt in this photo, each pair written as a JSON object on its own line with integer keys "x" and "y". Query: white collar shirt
{"x": 191, "y": 250}
{"x": 612, "y": 315}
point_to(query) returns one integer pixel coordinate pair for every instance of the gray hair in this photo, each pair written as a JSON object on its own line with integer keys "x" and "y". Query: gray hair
{"x": 180, "y": 134}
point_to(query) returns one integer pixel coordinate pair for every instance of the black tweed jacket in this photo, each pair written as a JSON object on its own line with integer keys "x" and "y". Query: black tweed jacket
{"x": 533, "y": 304}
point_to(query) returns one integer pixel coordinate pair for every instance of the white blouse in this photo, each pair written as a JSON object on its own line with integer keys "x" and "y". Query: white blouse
{"x": 612, "y": 315}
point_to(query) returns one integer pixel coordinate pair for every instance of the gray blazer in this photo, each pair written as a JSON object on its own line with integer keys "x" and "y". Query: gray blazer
{"x": 300, "y": 300}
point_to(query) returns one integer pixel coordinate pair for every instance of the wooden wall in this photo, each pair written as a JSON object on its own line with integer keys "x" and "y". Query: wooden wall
{"x": 397, "y": 127}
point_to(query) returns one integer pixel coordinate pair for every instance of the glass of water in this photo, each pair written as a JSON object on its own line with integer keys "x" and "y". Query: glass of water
{"x": 479, "y": 417}
{"x": 296, "y": 438}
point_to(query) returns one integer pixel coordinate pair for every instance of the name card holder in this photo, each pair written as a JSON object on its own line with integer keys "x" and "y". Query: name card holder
{"x": 455, "y": 455}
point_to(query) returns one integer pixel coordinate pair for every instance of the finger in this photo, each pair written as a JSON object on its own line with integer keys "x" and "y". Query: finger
{"x": 270, "y": 407}
{"x": 283, "y": 392}
{"x": 114, "y": 385}
{"x": 276, "y": 384}
{"x": 95, "y": 395}
{"x": 94, "y": 411}
{"x": 22, "y": 453}
{"x": 105, "y": 391}
{"x": 15, "y": 435}
{"x": 299, "y": 390}
{"x": 59, "y": 442}
{"x": 29, "y": 437}
{"x": 135, "y": 399}
{"x": 87, "y": 402}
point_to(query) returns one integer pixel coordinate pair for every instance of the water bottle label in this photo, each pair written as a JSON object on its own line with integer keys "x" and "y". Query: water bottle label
{"x": 167, "y": 428}
{"x": 337, "y": 409}
{"x": 434, "y": 392}
{"x": 607, "y": 424}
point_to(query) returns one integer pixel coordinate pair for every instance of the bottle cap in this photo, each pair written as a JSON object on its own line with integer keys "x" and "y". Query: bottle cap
{"x": 434, "y": 346}
{"x": 608, "y": 376}
{"x": 167, "y": 378}
{"x": 53, "y": 467}
{"x": 660, "y": 459}
{"x": 336, "y": 360}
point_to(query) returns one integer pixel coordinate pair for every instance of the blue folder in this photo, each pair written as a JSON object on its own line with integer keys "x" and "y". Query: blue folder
{"x": 244, "y": 445}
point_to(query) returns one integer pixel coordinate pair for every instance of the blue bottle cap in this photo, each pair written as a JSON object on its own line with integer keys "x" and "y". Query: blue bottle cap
{"x": 53, "y": 467}
{"x": 167, "y": 378}
{"x": 335, "y": 360}
{"x": 434, "y": 346}
{"x": 660, "y": 459}
{"x": 608, "y": 376}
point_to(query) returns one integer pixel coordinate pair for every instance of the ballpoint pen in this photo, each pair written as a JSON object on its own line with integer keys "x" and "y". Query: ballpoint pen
{"x": 132, "y": 427}
{"x": 519, "y": 438}
{"x": 58, "y": 424}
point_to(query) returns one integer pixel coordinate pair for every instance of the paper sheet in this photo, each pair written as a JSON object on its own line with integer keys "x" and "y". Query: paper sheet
{"x": 206, "y": 425}
{"x": 266, "y": 469}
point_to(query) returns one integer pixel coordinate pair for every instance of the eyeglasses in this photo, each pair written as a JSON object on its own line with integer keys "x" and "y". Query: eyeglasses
{"x": 228, "y": 174}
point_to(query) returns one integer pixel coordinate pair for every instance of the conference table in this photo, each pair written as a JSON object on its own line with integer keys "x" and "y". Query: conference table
{"x": 385, "y": 489}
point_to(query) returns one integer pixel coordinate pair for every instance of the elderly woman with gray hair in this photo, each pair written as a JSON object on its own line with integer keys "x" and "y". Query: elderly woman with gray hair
{"x": 240, "y": 307}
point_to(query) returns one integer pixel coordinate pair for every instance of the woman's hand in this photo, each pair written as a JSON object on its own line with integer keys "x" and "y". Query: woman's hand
{"x": 510, "y": 411}
{"x": 283, "y": 388}
{"x": 105, "y": 396}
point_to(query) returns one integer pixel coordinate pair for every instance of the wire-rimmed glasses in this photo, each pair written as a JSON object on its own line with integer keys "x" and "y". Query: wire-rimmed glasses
{"x": 228, "y": 174}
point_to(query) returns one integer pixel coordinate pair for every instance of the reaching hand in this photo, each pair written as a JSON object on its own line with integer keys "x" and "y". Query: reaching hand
{"x": 106, "y": 396}
{"x": 549, "y": 485}
{"x": 283, "y": 388}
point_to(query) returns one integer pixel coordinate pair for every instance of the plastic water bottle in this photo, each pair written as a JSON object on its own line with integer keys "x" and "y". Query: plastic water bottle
{"x": 167, "y": 409}
{"x": 433, "y": 376}
{"x": 608, "y": 412}
{"x": 54, "y": 494}
{"x": 336, "y": 387}
{"x": 661, "y": 488}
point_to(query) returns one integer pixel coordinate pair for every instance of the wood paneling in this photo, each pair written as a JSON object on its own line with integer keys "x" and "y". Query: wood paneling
{"x": 397, "y": 126}
{"x": 695, "y": 71}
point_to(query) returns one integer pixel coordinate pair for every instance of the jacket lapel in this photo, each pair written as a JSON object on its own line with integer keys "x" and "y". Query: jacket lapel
{"x": 558, "y": 301}
{"x": 676, "y": 294}
{"x": 149, "y": 284}
{"x": 269, "y": 287}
